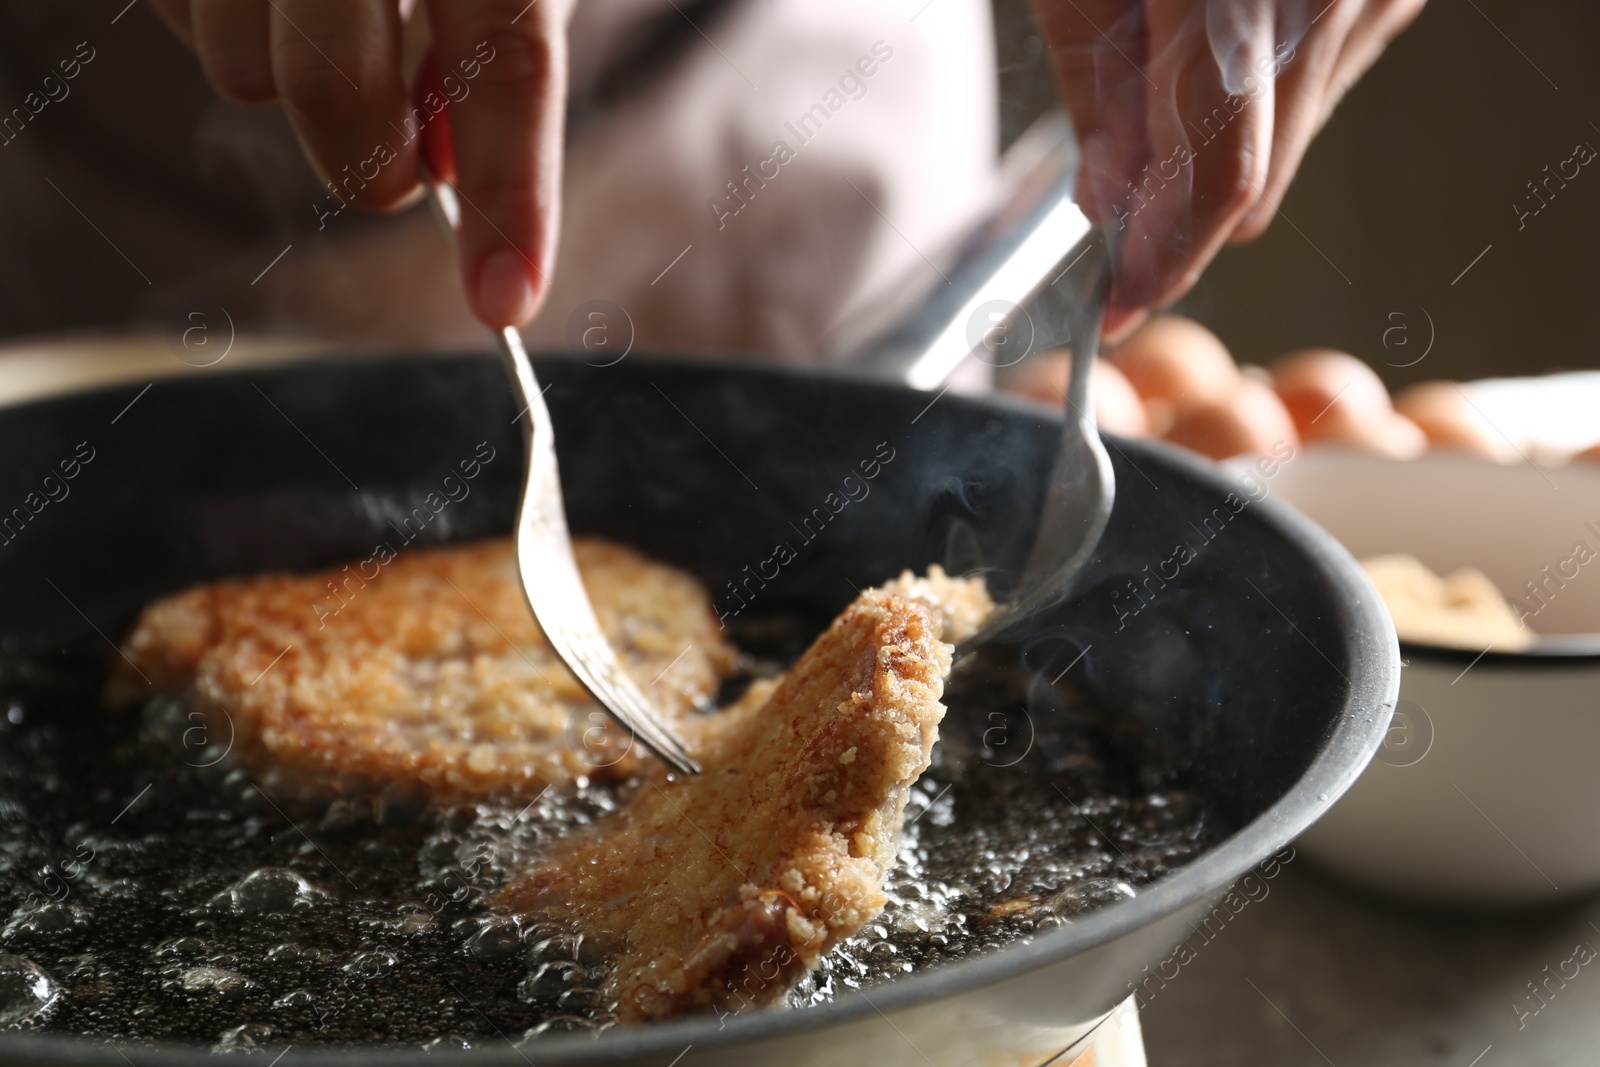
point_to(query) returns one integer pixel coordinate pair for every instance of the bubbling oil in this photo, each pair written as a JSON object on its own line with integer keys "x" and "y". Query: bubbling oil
{"x": 151, "y": 892}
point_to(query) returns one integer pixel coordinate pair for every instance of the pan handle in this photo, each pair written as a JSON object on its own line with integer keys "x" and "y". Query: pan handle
{"x": 1024, "y": 246}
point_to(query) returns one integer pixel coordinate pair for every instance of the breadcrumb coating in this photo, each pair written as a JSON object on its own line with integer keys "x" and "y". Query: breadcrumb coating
{"x": 959, "y": 604}
{"x": 719, "y": 891}
{"x": 1463, "y": 610}
{"x": 430, "y": 675}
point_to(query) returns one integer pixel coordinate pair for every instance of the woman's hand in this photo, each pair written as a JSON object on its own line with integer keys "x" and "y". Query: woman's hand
{"x": 336, "y": 68}
{"x": 1194, "y": 115}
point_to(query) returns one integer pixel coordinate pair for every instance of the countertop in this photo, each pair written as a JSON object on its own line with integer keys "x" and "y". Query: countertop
{"x": 1318, "y": 973}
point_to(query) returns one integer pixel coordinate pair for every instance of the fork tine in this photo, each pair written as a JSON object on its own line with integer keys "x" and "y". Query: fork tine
{"x": 614, "y": 688}
{"x": 553, "y": 587}
{"x": 563, "y": 611}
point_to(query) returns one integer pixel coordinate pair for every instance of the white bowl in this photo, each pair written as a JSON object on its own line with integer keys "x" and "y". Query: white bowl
{"x": 1487, "y": 791}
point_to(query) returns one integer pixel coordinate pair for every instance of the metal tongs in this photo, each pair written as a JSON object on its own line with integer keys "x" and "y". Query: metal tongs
{"x": 1036, "y": 266}
{"x": 549, "y": 572}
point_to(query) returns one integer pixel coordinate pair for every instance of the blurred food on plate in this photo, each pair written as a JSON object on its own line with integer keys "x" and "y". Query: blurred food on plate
{"x": 1461, "y": 610}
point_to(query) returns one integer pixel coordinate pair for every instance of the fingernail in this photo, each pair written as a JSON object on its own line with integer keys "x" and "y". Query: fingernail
{"x": 504, "y": 293}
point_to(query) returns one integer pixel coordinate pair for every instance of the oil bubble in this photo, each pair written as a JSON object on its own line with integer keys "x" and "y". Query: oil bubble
{"x": 372, "y": 964}
{"x": 266, "y": 891}
{"x": 46, "y": 920}
{"x": 562, "y": 1024}
{"x": 546, "y": 983}
{"x": 247, "y": 1037}
{"x": 498, "y": 938}
{"x": 1088, "y": 894}
{"x": 295, "y": 998}
{"x": 219, "y": 982}
{"x": 26, "y": 992}
{"x": 182, "y": 947}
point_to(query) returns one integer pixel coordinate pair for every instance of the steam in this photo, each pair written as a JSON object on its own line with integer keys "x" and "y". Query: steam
{"x": 1243, "y": 33}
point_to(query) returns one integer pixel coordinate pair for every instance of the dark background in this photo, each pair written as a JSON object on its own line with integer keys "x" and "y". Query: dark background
{"x": 1414, "y": 176}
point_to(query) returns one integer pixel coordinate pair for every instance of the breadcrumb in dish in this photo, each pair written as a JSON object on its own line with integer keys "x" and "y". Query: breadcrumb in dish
{"x": 430, "y": 675}
{"x": 1462, "y": 610}
{"x": 720, "y": 891}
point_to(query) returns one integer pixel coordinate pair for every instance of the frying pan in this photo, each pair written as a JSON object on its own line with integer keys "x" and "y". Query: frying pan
{"x": 1264, "y": 670}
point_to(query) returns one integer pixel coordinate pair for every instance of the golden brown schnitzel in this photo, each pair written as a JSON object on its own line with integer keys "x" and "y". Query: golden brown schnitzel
{"x": 716, "y": 891}
{"x": 720, "y": 890}
{"x": 430, "y": 674}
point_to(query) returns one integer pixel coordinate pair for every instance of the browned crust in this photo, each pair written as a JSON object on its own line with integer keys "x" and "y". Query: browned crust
{"x": 722, "y": 889}
{"x": 429, "y": 675}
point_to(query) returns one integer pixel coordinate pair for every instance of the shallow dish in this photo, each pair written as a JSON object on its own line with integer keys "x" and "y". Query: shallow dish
{"x": 1484, "y": 792}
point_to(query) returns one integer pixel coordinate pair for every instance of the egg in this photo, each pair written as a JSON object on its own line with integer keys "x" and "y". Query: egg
{"x": 1384, "y": 432}
{"x": 1249, "y": 422}
{"x": 1318, "y": 385}
{"x": 1117, "y": 408}
{"x": 1117, "y": 405}
{"x": 1402, "y": 438}
{"x": 1449, "y": 420}
{"x": 1335, "y": 398}
{"x": 1175, "y": 364}
{"x": 1042, "y": 376}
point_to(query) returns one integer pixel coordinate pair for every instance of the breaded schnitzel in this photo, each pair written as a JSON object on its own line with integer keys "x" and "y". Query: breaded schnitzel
{"x": 429, "y": 675}
{"x": 721, "y": 890}
{"x": 712, "y": 892}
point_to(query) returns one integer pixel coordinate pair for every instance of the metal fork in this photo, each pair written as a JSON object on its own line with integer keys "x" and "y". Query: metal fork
{"x": 549, "y": 572}
{"x": 1082, "y": 487}
{"x": 1040, "y": 256}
